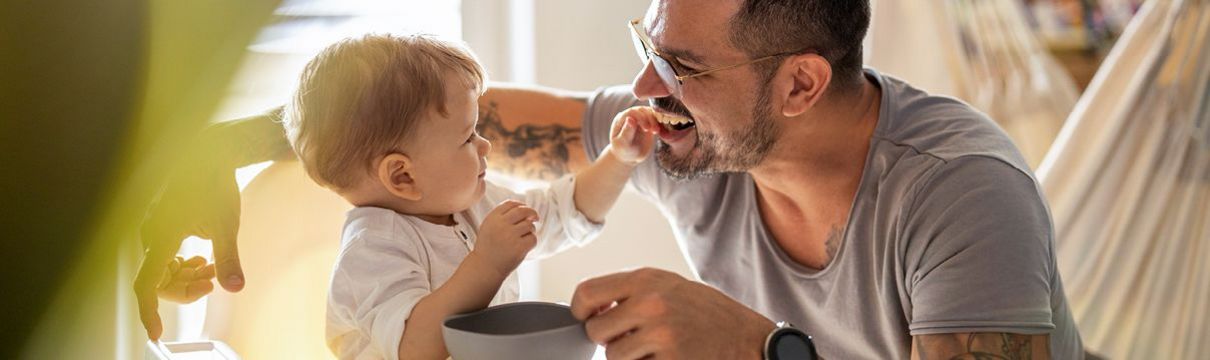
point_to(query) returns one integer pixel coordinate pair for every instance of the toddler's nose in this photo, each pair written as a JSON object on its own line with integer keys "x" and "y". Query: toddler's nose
{"x": 485, "y": 146}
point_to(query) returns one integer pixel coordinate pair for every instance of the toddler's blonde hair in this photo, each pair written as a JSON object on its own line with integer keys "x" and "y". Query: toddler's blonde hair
{"x": 362, "y": 97}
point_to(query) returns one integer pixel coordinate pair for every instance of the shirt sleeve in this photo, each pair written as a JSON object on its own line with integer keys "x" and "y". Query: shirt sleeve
{"x": 375, "y": 284}
{"x": 980, "y": 254}
{"x": 560, "y": 225}
{"x": 602, "y": 107}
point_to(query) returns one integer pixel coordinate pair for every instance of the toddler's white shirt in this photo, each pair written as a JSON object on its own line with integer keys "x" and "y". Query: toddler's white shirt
{"x": 389, "y": 261}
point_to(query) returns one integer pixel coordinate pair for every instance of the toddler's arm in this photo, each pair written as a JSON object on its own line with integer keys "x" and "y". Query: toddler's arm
{"x": 630, "y": 142}
{"x": 505, "y": 236}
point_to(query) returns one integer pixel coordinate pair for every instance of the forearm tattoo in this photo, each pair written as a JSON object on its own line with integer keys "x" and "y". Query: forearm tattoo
{"x": 979, "y": 346}
{"x": 539, "y": 152}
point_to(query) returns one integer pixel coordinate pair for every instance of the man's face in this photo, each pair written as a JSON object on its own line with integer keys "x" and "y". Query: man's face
{"x": 733, "y": 125}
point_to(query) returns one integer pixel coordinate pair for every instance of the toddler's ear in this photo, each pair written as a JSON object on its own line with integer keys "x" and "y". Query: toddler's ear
{"x": 394, "y": 174}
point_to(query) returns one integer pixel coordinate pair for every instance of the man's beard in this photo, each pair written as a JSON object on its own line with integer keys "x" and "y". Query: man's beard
{"x": 739, "y": 151}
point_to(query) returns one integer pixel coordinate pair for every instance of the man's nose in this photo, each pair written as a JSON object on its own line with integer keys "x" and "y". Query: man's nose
{"x": 647, "y": 84}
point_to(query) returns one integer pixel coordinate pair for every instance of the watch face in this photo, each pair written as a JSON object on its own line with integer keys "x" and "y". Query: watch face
{"x": 790, "y": 345}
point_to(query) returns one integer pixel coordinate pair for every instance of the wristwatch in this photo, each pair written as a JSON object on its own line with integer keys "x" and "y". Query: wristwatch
{"x": 788, "y": 343}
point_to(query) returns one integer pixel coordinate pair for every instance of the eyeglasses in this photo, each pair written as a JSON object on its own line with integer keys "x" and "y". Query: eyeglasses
{"x": 664, "y": 65}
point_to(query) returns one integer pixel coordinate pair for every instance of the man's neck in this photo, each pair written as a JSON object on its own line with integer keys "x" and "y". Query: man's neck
{"x": 806, "y": 186}
{"x": 821, "y": 159}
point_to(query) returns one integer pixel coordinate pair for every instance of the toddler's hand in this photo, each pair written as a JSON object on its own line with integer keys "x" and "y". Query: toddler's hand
{"x": 506, "y": 235}
{"x": 186, "y": 280}
{"x": 633, "y": 134}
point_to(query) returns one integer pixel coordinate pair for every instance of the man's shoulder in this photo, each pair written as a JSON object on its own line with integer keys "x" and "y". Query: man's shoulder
{"x": 940, "y": 126}
{"x": 932, "y": 153}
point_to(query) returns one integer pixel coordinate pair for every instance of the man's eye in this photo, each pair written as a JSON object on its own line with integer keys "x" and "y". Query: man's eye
{"x": 684, "y": 69}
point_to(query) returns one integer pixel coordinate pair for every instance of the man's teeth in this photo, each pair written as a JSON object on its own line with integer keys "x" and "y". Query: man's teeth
{"x": 673, "y": 119}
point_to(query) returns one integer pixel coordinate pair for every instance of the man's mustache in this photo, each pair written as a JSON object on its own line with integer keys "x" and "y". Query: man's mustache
{"x": 670, "y": 105}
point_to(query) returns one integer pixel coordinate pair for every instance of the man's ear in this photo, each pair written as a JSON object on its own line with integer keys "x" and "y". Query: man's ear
{"x": 808, "y": 77}
{"x": 395, "y": 174}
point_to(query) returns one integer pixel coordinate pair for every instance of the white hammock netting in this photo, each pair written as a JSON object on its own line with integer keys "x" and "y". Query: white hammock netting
{"x": 1128, "y": 173}
{"x": 1127, "y": 183}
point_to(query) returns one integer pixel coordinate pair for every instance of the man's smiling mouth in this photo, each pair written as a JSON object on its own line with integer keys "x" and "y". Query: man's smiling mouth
{"x": 674, "y": 122}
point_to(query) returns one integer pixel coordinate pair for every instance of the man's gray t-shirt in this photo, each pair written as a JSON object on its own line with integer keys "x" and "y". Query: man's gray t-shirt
{"x": 949, "y": 233}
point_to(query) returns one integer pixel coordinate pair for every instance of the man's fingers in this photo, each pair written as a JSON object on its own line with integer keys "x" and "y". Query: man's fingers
{"x": 592, "y": 294}
{"x": 222, "y": 233}
{"x": 186, "y": 274}
{"x": 145, "y": 284}
{"x": 197, "y": 289}
{"x": 151, "y": 322}
{"x": 194, "y": 262}
{"x": 226, "y": 261}
{"x": 186, "y": 291}
{"x": 206, "y": 272}
{"x": 152, "y": 271}
{"x": 636, "y": 345}
{"x": 607, "y": 326}
{"x": 195, "y": 268}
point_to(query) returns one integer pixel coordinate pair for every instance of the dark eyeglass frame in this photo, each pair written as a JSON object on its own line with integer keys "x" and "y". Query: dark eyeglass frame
{"x": 664, "y": 65}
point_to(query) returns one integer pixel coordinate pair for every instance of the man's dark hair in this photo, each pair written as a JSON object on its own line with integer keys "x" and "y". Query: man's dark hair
{"x": 833, "y": 28}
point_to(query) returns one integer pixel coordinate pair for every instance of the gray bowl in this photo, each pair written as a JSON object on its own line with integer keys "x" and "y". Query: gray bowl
{"x": 521, "y": 331}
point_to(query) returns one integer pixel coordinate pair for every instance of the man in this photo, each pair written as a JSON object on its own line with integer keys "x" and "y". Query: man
{"x": 883, "y": 221}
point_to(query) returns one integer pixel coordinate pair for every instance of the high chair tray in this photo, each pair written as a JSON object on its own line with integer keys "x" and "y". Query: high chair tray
{"x": 190, "y": 350}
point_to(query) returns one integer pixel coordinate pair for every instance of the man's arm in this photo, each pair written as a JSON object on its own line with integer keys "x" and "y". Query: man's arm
{"x": 983, "y": 258}
{"x": 980, "y": 346}
{"x": 649, "y": 313}
{"x": 536, "y": 133}
{"x": 200, "y": 198}
{"x": 245, "y": 141}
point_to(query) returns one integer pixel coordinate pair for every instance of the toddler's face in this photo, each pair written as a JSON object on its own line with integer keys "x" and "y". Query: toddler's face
{"x": 451, "y": 158}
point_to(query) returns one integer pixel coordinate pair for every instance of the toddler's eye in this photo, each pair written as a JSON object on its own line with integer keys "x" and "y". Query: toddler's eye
{"x": 471, "y": 138}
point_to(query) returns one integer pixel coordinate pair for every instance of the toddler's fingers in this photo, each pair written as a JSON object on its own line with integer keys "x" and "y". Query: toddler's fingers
{"x": 521, "y": 213}
{"x": 628, "y": 126}
{"x": 504, "y": 207}
{"x": 650, "y": 124}
{"x": 523, "y": 228}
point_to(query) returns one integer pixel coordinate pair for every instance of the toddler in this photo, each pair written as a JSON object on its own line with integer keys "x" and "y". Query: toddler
{"x": 388, "y": 123}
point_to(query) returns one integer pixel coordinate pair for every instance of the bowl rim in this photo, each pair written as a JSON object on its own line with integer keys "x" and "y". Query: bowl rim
{"x": 445, "y": 323}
